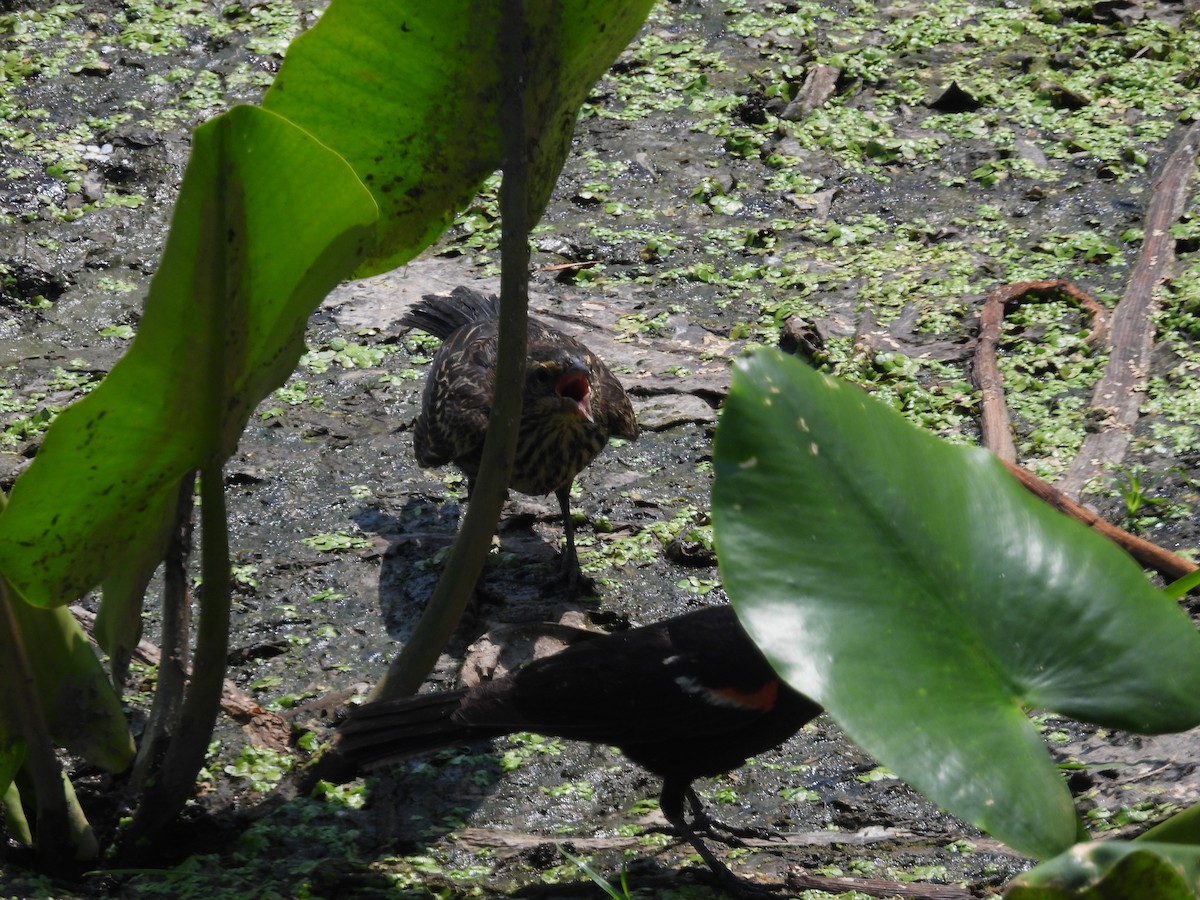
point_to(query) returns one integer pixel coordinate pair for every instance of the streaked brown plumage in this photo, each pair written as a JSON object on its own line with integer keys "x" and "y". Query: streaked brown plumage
{"x": 571, "y": 404}
{"x": 687, "y": 697}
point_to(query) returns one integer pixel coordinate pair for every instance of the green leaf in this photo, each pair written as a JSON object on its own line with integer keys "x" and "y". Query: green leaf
{"x": 14, "y": 813}
{"x": 1113, "y": 870}
{"x": 12, "y": 754}
{"x": 922, "y": 596}
{"x": 1181, "y": 586}
{"x": 267, "y": 222}
{"x": 83, "y": 712}
{"x": 409, "y": 93}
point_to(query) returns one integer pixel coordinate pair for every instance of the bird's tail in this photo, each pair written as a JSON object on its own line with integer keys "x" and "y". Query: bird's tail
{"x": 442, "y": 316}
{"x": 392, "y": 730}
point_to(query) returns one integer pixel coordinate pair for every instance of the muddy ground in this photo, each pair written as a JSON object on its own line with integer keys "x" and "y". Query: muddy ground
{"x": 700, "y": 218}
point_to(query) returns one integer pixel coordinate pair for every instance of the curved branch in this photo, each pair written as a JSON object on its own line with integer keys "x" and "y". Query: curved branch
{"x": 994, "y": 421}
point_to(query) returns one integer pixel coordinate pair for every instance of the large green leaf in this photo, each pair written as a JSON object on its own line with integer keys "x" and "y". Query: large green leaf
{"x": 920, "y": 594}
{"x": 409, "y": 92}
{"x": 1114, "y": 870}
{"x": 267, "y": 222}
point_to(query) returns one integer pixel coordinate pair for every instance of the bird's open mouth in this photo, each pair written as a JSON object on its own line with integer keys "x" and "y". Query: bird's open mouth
{"x": 575, "y": 386}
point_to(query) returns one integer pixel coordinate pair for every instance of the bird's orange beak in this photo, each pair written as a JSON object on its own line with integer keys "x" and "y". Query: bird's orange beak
{"x": 576, "y": 386}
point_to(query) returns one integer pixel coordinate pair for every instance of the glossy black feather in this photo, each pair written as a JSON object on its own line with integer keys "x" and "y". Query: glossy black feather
{"x": 687, "y": 697}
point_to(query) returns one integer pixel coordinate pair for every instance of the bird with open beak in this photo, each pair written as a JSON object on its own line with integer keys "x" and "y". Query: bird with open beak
{"x": 571, "y": 403}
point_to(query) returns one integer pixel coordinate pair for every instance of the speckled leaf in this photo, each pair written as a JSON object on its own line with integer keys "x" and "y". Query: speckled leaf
{"x": 1114, "y": 870}
{"x": 267, "y": 222}
{"x": 118, "y": 626}
{"x": 920, "y": 594}
{"x": 1181, "y": 828}
{"x": 409, "y": 92}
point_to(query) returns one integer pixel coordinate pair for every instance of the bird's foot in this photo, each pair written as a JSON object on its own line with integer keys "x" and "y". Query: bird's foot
{"x": 572, "y": 582}
{"x": 731, "y": 834}
{"x": 722, "y": 876}
{"x": 740, "y": 887}
{"x": 715, "y": 828}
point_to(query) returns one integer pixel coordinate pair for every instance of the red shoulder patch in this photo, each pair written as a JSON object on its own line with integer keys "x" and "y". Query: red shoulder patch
{"x": 762, "y": 699}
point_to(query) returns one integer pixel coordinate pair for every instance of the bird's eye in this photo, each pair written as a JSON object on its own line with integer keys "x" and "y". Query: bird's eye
{"x": 543, "y": 374}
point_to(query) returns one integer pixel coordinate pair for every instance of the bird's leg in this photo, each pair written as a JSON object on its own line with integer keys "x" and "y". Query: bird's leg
{"x": 572, "y": 574}
{"x": 671, "y": 803}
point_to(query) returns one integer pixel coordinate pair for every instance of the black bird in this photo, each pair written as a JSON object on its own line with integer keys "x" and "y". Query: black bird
{"x": 571, "y": 403}
{"x": 688, "y": 697}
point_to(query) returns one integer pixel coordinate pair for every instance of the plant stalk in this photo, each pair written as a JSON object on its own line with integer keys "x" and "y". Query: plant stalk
{"x": 167, "y": 709}
{"x": 166, "y": 795}
{"x": 466, "y": 559}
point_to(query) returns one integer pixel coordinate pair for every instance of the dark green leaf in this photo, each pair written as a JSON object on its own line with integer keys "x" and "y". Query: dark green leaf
{"x": 83, "y": 712}
{"x": 118, "y": 625}
{"x": 14, "y": 812}
{"x": 12, "y": 754}
{"x": 920, "y": 594}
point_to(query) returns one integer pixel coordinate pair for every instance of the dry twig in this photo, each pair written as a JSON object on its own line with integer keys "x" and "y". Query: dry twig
{"x": 1121, "y": 390}
{"x": 997, "y": 433}
{"x": 1170, "y": 565}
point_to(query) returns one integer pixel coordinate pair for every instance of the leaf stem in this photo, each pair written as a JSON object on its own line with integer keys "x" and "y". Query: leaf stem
{"x": 166, "y": 711}
{"x": 166, "y": 795}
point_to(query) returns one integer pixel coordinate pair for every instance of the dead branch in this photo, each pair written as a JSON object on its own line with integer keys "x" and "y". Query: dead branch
{"x": 505, "y": 843}
{"x": 800, "y": 880}
{"x": 997, "y": 433}
{"x": 1121, "y": 390}
{"x": 1170, "y": 565}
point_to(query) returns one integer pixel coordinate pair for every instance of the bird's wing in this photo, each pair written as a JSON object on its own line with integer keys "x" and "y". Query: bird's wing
{"x": 619, "y": 416}
{"x": 696, "y": 679}
{"x": 458, "y": 397}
